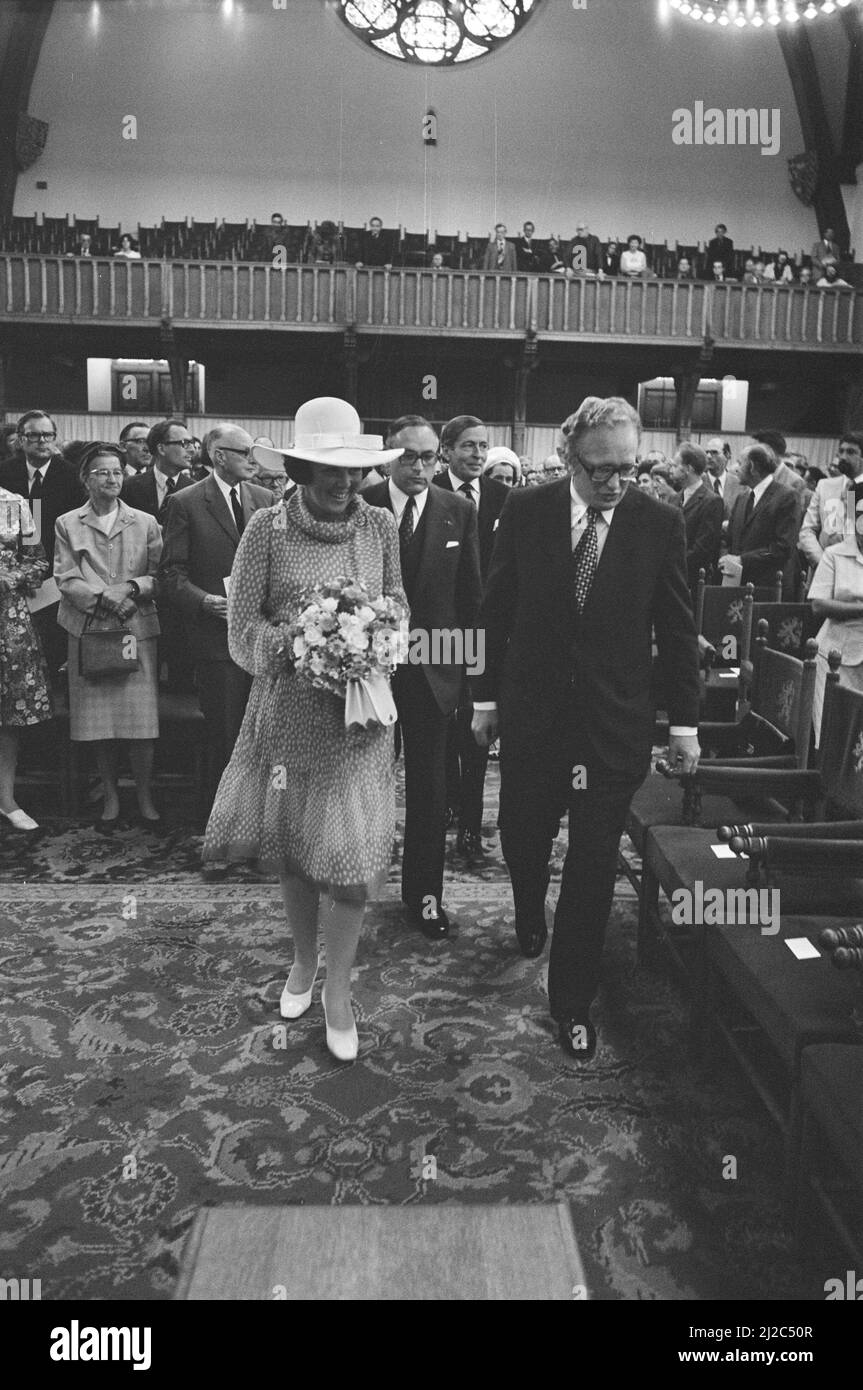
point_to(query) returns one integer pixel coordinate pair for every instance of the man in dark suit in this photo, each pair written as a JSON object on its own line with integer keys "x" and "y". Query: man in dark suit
{"x": 585, "y": 571}
{"x": 725, "y": 484}
{"x": 585, "y": 251}
{"x": 440, "y": 569}
{"x": 703, "y": 512}
{"x": 52, "y": 486}
{"x": 720, "y": 247}
{"x": 170, "y": 445}
{"x": 375, "y": 247}
{"x": 202, "y": 531}
{"x": 763, "y": 530}
{"x": 464, "y": 446}
{"x": 133, "y": 442}
{"x": 528, "y": 255}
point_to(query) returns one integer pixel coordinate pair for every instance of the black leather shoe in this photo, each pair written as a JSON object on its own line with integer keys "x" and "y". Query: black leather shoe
{"x": 107, "y": 827}
{"x": 435, "y": 926}
{"x": 577, "y": 1037}
{"x": 156, "y": 825}
{"x": 532, "y": 934}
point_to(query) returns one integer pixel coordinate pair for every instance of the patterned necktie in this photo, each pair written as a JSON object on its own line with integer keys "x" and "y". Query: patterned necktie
{"x": 466, "y": 489}
{"x": 500, "y": 253}
{"x": 585, "y": 558}
{"x": 237, "y": 509}
{"x": 717, "y": 487}
{"x": 406, "y": 525}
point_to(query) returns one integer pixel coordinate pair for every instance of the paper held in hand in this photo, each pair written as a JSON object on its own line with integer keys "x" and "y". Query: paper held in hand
{"x": 44, "y": 596}
{"x": 369, "y": 702}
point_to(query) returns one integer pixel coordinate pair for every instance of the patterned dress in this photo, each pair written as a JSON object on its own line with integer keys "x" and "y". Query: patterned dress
{"x": 302, "y": 794}
{"x": 24, "y": 693}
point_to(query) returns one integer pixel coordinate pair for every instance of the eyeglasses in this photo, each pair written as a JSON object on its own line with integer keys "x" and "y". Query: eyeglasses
{"x": 605, "y": 473}
{"x": 106, "y": 473}
{"x": 183, "y": 443}
{"x": 244, "y": 453}
{"x": 410, "y": 457}
{"x": 41, "y": 434}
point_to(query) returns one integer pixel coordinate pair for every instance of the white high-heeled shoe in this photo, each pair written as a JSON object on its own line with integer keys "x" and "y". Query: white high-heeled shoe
{"x": 19, "y": 820}
{"x": 343, "y": 1043}
{"x": 295, "y": 1005}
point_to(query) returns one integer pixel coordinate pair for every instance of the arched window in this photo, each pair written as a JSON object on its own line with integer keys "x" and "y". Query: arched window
{"x": 440, "y": 32}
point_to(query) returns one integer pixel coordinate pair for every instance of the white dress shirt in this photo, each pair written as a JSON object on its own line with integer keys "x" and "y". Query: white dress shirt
{"x": 225, "y": 489}
{"x": 31, "y": 473}
{"x": 459, "y": 482}
{"x": 400, "y": 500}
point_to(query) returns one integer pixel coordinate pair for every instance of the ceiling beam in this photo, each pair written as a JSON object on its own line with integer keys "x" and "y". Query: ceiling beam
{"x": 800, "y": 61}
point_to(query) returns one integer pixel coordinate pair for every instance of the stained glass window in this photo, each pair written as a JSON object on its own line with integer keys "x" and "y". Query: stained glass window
{"x": 441, "y": 32}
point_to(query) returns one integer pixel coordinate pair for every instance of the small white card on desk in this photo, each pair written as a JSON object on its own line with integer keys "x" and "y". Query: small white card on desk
{"x": 726, "y": 852}
{"x": 802, "y": 948}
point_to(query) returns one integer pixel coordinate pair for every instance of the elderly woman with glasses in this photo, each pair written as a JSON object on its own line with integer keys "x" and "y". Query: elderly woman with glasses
{"x": 105, "y": 563}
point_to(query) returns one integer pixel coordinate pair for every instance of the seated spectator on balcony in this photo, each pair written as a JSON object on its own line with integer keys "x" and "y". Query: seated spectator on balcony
{"x": 805, "y": 277}
{"x": 825, "y": 252}
{"x": 499, "y": 254}
{"x": 720, "y": 247}
{"x": 749, "y": 275}
{"x": 136, "y": 450}
{"x": 528, "y": 256}
{"x": 171, "y": 447}
{"x": 323, "y": 245}
{"x": 552, "y": 261}
{"x": 758, "y": 270}
{"x": 584, "y": 253}
{"x": 25, "y": 697}
{"x": 85, "y": 245}
{"x": 684, "y": 269}
{"x": 437, "y": 261}
{"x": 780, "y": 271}
{"x": 831, "y": 279}
{"x": 633, "y": 260}
{"x": 106, "y": 560}
{"x": 128, "y": 249}
{"x": 375, "y": 247}
{"x": 609, "y": 261}
{"x": 268, "y": 237}
{"x": 718, "y": 275}
{"x": 503, "y": 465}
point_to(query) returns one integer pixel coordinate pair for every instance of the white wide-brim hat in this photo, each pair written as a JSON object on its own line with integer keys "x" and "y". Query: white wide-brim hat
{"x": 501, "y": 454}
{"x": 328, "y": 430}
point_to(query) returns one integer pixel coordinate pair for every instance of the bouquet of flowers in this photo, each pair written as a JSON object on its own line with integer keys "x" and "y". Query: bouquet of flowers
{"x": 348, "y": 643}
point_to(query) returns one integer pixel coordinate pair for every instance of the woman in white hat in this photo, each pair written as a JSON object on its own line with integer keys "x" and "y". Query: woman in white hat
{"x": 504, "y": 465}
{"x": 302, "y": 795}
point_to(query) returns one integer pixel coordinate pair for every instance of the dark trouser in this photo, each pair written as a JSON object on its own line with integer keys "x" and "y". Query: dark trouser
{"x": 534, "y": 795}
{"x": 466, "y": 768}
{"x": 423, "y": 734}
{"x": 223, "y": 691}
{"x": 173, "y": 651}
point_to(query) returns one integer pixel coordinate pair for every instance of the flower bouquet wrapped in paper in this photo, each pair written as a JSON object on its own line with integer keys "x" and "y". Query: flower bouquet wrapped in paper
{"x": 349, "y": 643}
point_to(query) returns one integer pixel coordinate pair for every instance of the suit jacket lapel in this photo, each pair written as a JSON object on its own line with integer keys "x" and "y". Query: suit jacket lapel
{"x": 620, "y": 541}
{"x": 219, "y": 509}
{"x": 435, "y": 528}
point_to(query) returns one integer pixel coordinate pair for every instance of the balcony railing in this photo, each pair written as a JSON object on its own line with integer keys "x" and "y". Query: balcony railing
{"x": 243, "y": 294}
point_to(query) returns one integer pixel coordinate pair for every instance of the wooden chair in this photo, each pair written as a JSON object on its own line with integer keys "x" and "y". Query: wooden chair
{"x": 721, "y": 619}
{"x": 774, "y": 733}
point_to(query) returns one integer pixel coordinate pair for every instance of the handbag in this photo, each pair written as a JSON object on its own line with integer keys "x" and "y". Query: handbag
{"x": 107, "y": 652}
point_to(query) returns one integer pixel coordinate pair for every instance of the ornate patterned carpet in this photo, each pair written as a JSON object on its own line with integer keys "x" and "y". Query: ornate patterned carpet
{"x": 145, "y": 1072}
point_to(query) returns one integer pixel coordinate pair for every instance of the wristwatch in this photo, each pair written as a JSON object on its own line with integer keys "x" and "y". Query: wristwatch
{"x": 136, "y": 589}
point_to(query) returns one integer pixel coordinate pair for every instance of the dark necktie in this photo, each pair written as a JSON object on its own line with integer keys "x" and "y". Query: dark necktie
{"x": 36, "y": 487}
{"x": 466, "y": 489}
{"x": 750, "y": 508}
{"x": 585, "y": 559}
{"x": 406, "y": 525}
{"x": 170, "y": 489}
{"x": 237, "y": 509}
{"x": 717, "y": 487}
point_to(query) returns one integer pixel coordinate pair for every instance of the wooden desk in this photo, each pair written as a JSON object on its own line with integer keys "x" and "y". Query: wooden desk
{"x": 445, "y": 1253}
{"x": 828, "y": 1162}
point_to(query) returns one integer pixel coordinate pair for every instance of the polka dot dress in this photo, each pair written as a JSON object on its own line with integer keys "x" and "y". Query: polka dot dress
{"x": 301, "y": 793}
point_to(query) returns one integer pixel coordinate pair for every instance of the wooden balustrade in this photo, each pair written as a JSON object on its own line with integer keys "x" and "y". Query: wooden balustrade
{"x": 458, "y": 303}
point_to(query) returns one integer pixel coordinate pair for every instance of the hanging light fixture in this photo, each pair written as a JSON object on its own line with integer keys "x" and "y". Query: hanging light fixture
{"x": 754, "y": 14}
